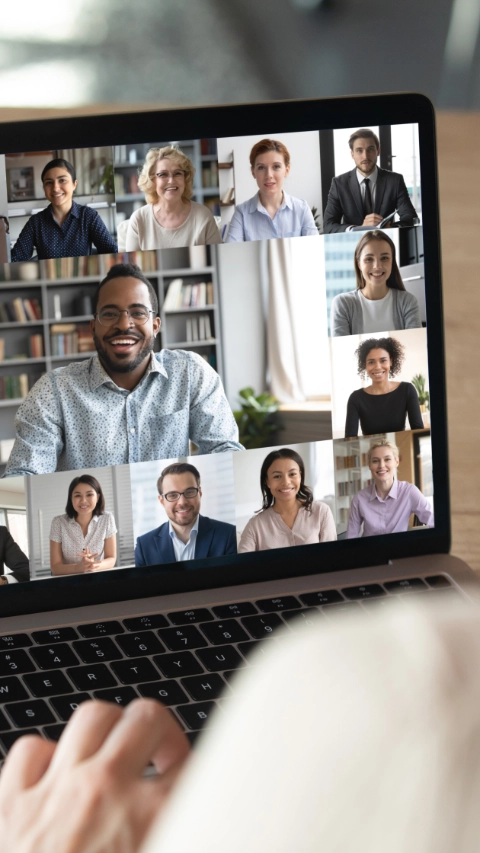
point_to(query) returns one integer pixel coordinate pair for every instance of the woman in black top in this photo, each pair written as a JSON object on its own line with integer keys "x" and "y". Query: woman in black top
{"x": 383, "y": 405}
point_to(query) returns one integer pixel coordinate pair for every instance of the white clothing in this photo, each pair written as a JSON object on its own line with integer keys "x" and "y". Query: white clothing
{"x": 68, "y": 532}
{"x": 377, "y": 313}
{"x": 144, "y": 232}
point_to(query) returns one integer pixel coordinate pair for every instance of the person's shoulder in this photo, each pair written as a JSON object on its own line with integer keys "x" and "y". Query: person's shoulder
{"x": 403, "y": 296}
{"x": 201, "y": 211}
{"x": 321, "y": 508}
{"x": 248, "y": 206}
{"x": 406, "y": 488}
{"x": 141, "y": 213}
{"x": 178, "y": 358}
{"x": 350, "y": 297}
{"x": 358, "y": 394}
{"x": 345, "y": 176}
{"x": 85, "y": 212}
{"x": 150, "y": 534}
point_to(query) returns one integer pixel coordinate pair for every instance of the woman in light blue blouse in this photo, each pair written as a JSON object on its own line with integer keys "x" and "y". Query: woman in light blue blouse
{"x": 271, "y": 212}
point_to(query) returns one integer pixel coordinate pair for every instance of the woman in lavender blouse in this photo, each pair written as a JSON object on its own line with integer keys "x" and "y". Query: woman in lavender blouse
{"x": 387, "y": 504}
{"x": 289, "y": 515}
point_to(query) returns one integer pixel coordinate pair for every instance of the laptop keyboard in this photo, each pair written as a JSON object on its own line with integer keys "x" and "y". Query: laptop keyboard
{"x": 185, "y": 659}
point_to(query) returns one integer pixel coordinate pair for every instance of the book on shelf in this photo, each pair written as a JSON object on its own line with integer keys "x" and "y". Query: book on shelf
{"x": 208, "y": 146}
{"x": 2, "y": 349}
{"x": 70, "y": 339}
{"x": 354, "y": 460}
{"x": 36, "y": 346}
{"x": 210, "y": 358}
{"x": 13, "y": 387}
{"x": 210, "y": 175}
{"x": 198, "y": 328}
{"x": 227, "y": 197}
{"x": 20, "y": 311}
{"x": 180, "y": 296}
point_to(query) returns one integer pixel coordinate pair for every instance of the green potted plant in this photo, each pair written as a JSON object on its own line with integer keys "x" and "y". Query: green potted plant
{"x": 255, "y": 418}
{"x": 418, "y": 382}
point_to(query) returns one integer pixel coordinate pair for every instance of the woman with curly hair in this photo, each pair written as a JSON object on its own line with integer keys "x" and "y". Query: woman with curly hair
{"x": 170, "y": 218}
{"x": 289, "y": 515}
{"x": 383, "y": 405}
{"x": 380, "y": 300}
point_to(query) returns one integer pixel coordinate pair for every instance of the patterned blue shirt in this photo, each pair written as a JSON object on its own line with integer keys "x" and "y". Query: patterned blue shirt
{"x": 77, "y": 417}
{"x": 82, "y": 228}
{"x": 252, "y": 222}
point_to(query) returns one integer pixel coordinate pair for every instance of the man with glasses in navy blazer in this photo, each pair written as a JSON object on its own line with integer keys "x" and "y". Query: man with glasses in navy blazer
{"x": 186, "y": 535}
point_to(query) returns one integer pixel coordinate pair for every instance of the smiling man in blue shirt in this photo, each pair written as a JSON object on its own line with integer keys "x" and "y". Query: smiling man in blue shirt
{"x": 126, "y": 403}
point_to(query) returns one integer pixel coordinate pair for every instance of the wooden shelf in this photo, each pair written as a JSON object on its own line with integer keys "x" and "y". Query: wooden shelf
{"x": 185, "y": 344}
{"x": 190, "y": 310}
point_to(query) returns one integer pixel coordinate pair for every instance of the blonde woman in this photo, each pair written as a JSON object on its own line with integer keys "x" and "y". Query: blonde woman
{"x": 170, "y": 218}
{"x": 387, "y": 504}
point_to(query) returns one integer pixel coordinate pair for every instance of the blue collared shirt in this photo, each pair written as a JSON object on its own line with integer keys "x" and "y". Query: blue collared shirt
{"x": 252, "y": 222}
{"x": 82, "y": 228}
{"x": 182, "y": 551}
{"x": 77, "y": 417}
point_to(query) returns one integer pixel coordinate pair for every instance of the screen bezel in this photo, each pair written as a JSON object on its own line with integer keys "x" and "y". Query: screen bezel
{"x": 239, "y": 120}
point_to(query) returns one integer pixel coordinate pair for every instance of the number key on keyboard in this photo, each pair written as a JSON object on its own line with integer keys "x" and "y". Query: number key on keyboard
{"x": 56, "y": 656}
{"x": 262, "y": 626}
{"x": 177, "y": 639}
{"x": 143, "y": 643}
{"x": 228, "y": 631}
{"x": 101, "y": 649}
{"x": 15, "y": 662}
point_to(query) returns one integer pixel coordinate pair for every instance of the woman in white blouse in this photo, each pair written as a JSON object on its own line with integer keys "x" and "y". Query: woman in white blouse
{"x": 170, "y": 218}
{"x": 84, "y": 538}
{"x": 380, "y": 302}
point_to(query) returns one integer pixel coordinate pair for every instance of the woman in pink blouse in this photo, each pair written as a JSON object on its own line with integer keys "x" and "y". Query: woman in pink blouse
{"x": 289, "y": 515}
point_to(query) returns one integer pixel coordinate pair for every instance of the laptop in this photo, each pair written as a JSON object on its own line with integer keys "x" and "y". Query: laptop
{"x": 275, "y": 450}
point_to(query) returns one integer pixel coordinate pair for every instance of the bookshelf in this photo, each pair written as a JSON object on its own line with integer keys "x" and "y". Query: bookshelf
{"x": 65, "y": 307}
{"x": 130, "y": 158}
{"x": 351, "y": 474}
{"x": 227, "y": 191}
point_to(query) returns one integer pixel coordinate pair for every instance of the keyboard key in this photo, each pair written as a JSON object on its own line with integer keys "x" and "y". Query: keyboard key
{"x": 55, "y": 635}
{"x": 405, "y": 585}
{"x": 372, "y": 590}
{"x": 204, "y": 686}
{"x": 324, "y": 596}
{"x": 15, "y": 662}
{"x": 66, "y": 705}
{"x": 33, "y": 713}
{"x": 269, "y": 605}
{"x": 183, "y": 617}
{"x": 306, "y": 616}
{"x": 57, "y": 656}
{"x": 92, "y": 677}
{"x": 168, "y": 692}
{"x": 145, "y": 623}
{"x": 144, "y": 643}
{"x": 7, "y": 739}
{"x": 54, "y": 732}
{"x": 51, "y": 683}
{"x": 196, "y": 716}
{"x": 135, "y": 670}
{"x": 15, "y": 641}
{"x": 177, "y": 639}
{"x": 102, "y": 649}
{"x": 220, "y": 658}
{"x": 183, "y": 663}
{"x": 242, "y": 608}
{"x": 228, "y": 631}
{"x": 262, "y": 626}
{"x": 118, "y": 695}
{"x": 100, "y": 629}
{"x": 438, "y": 581}
{"x": 334, "y": 610}
{"x": 12, "y": 689}
{"x": 4, "y": 724}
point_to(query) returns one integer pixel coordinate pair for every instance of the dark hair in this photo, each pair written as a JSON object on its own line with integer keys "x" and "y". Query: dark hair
{"x": 269, "y": 145}
{"x": 304, "y": 494}
{"x": 177, "y": 468}
{"x": 90, "y": 481}
{"x": 364, "y": 133}
{"x": 59, "y": 163}
{"x": 395, "y": 280}
{"x": 126, "y": 271}
{"x": 393, "y": 347}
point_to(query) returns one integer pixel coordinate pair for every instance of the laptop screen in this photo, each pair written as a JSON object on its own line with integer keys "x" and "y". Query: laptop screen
{"x": 213, "y": 350}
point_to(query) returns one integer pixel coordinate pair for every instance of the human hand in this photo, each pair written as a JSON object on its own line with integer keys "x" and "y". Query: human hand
{"x": 373, "y": 219}
{"x": 87, "y": 560}
{"x": 87, "y": 794}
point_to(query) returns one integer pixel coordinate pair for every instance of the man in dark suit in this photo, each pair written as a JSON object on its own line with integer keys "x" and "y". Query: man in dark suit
{"x": 13, "y": 557}
{"x": 367, "y": 194}
{"x": 187, "y": 535}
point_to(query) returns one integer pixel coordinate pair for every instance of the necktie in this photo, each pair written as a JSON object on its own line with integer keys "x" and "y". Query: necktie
{"x": 367, "y": 199}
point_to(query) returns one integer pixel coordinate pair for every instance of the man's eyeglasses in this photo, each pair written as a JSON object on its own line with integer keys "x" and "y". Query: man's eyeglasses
{"x": 192, "y": 492}
{"x": 110, "y": 316}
